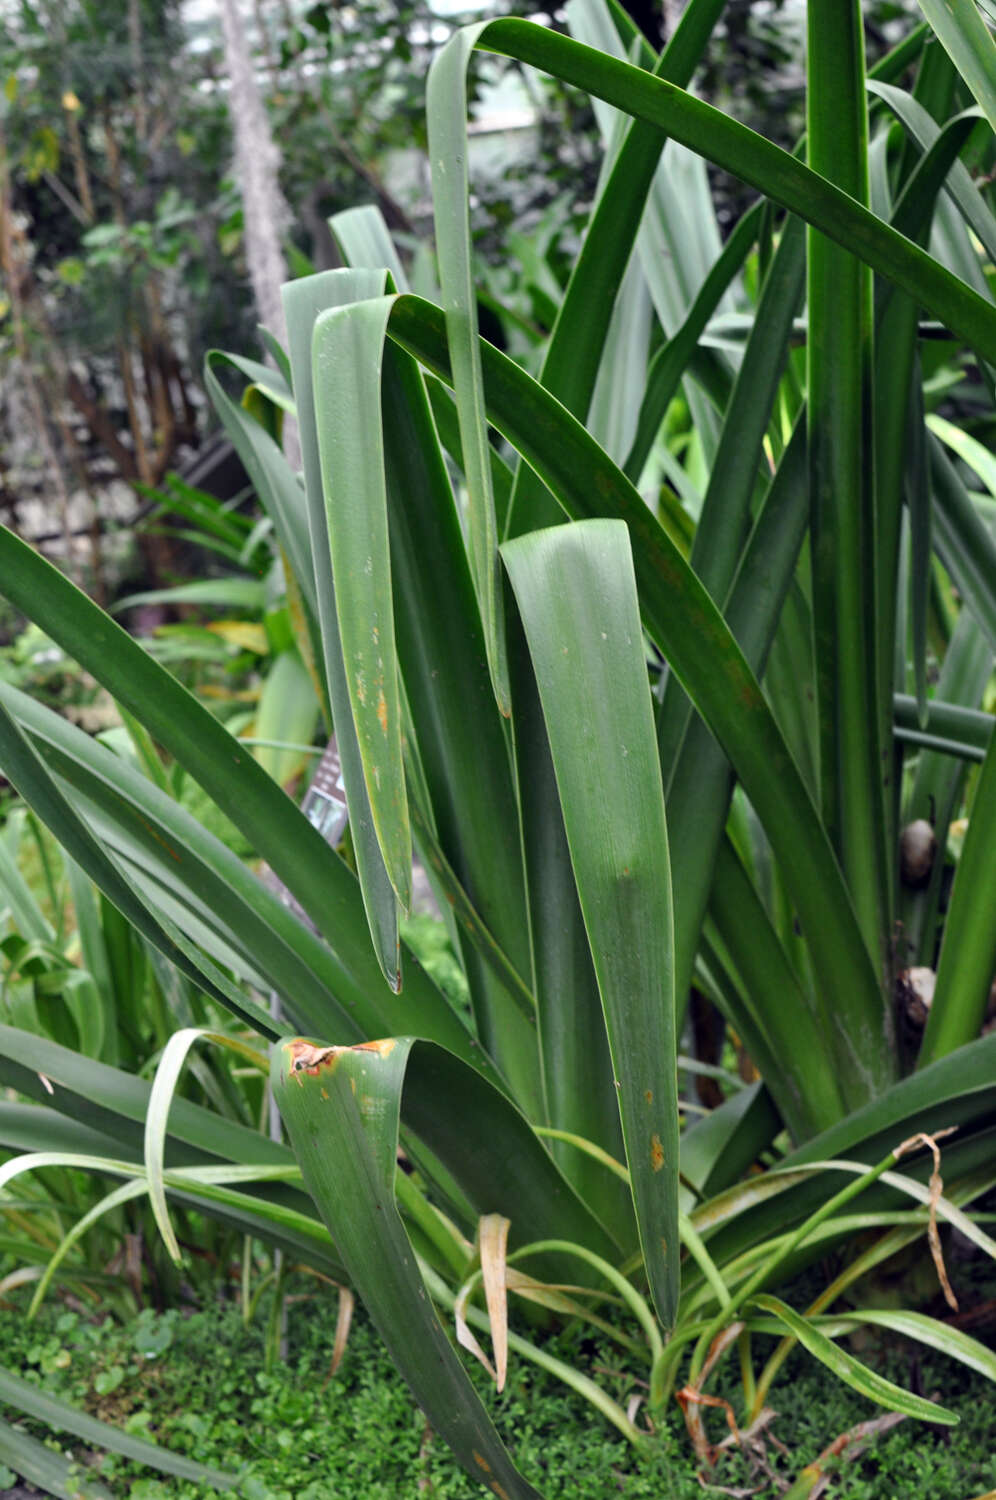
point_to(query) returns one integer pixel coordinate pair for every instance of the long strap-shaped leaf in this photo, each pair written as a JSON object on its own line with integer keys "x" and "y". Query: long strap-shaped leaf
{"x": 963, "y": 541}
{"x": 24, "y": 768}
{"x": 460, "y": 738}
{"x": 578, "y": 1083}
{"x": 152, "y": 833}
{"x": 968, "y": 953}
{"x": 851, "y": 1371}
{"x": 701, "y": 782}
{"x": 802, "y": 1079}
{"x": 756, "y": 161}
{"x": 951, "y": 728}
{"x": 668, "y": 365}
{"x": 341, "y": 1106}
{"x": 669, "y": 261}
{"x": 923, "y": 128}
{"x": 303, "y": 301}
{"x": 572, "y": 360}
{"x": 51, "y": 1472}
{"x": 279, "y": 831}
{"x": 725, "y": 515}
{"x": 968, "y": 42}
{"x": 351, "y": 447}
{"x": 576, "y": 593}
{"x": 66, "y": 1418}
{"x": 271, "y": 474}
{"x": 460, "y": 744}
{"x": 114, "y": 1103}
{"x": 696, "y": 641}
{"x": 282, "y": 1214}
{"x": 843, "y": 530}
{"x": 447, "y": 115}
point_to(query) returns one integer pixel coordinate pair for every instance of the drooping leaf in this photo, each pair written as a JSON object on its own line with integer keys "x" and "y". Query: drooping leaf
{"x": 850, "y": 1370}
{"x": 968, "y": 41}
{"x": 341, "y": 1106}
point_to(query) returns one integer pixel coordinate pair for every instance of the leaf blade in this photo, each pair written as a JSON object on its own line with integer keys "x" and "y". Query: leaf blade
{"x": 351, "y": 450}
{"x": 868, "y": 1382}
{"x": 321, "y": 1092}
{"x": 576, "y": 593}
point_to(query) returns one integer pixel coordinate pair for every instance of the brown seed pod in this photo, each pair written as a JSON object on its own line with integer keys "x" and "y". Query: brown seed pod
{"x": 917, "y": 847}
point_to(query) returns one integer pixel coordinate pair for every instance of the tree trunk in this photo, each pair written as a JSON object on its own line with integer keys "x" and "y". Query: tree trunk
{"x": 257, "y": 159}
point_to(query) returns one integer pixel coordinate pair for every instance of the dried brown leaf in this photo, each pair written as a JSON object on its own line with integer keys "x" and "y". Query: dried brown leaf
{"x": 936, "y": 1189}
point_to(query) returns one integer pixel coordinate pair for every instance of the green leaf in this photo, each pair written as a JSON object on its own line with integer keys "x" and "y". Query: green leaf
{"x": 943, "y": 1337}
{"x": 968, "y": 952}
{"x": 303, "y": 301}
{"x": 843, "y": 536}
{"x": 957, "y": 1090}
{"x": 900, "y": 459}
{"x": 351, "y": 445}
{"x": 579, "y": 1094}
{"x": 320, "y": 985}
{"x": 576, "y": 593}
{"x": 677, "y": 236}
{"x": 686, "y": 625}
{"x": 365, "y": 241}
{"x": 51, "y": 1472}
{"x": 114, "y": 1104}
{"x": 733, "y": 478}
{"x": 340, "y": 1107}
{"x": 669, "y": 363}
{"x": 755, "y": 161}
{"x": 460, "y": 745}
{"x": 274, "y": 383}
{"x": 277, "y": 830}
{"x": 446, "y": 108}
{"x": 272, "y": 477}
{"x": 949, "y": 728}
{"x": 782, "y": 1034}
{"x": 967, "y": 40}
{"x": 973, "y": 453}
{"x": 221, "y": 593}
{"x": 288, "y": 711}
{"x": 29, "y": 919}
{"x": 701, "y": 782}
{"x": 24, "y": 768}
{"x": 858, "y": 1376}
{"x": 718, "y": 1148}
{"x": 963, "y": 540}
{"x": 924, "y": 129}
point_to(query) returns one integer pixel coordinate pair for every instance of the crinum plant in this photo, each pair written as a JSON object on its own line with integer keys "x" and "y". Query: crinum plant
{"x": 652, "y": 715}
